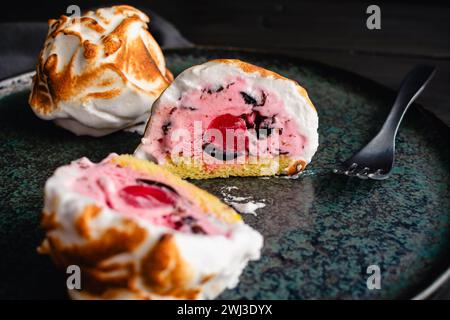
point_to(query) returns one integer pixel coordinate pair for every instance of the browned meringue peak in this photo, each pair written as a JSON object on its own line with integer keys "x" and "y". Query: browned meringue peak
{"x": 102, "y": 71}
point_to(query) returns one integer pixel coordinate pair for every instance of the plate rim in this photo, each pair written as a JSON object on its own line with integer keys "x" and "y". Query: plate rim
{"x": 442, "y": 279}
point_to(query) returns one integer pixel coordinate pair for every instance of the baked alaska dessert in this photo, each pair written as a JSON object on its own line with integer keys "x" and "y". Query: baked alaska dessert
{"x": 139, "y": 232}
{"x": 99, "y": 73}
{"x": 230, "y": 118}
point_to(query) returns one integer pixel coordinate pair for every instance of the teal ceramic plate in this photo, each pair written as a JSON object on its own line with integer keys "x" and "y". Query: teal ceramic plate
{"x": 321, "y": 231}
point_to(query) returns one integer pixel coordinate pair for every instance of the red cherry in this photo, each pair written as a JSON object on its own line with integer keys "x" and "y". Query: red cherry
{"x": 147, "y": 196}
{"x": 229, "y": 122}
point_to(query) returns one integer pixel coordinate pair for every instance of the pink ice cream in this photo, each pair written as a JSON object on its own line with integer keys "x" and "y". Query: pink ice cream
{"x": 138, "y": 195}
{"x": 255, "y": 118}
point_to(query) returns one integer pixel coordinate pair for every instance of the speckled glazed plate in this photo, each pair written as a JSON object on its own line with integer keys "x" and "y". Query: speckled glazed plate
{"x": 321, "y": 230}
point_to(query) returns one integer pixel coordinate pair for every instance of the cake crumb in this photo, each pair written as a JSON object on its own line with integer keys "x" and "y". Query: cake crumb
{"x": 242, "y": 204}
{"x": 247, "y": 207}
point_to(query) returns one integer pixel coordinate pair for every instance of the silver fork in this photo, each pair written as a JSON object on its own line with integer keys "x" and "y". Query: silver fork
{"x": 376, "y": 159}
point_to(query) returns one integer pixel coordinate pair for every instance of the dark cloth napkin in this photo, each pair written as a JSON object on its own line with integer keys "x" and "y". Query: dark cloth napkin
{"x": 21, "y": 42}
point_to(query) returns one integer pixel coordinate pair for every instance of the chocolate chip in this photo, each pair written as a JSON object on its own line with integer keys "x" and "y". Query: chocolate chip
{"x": 263, "y": 99}
{"x": 197, "y": 229}
{"x": 250, "y": 100}
{"x": 274, "y": 118}
{"x": 189, "y": 219}
{"x": 166, "y": 127}
{"x": 247, "y": 98}
{"x": 210, "y": 91}
{"x": 172, "y": 110}
{"x": 230, "y": 84}
{"x": 189, "y": 108}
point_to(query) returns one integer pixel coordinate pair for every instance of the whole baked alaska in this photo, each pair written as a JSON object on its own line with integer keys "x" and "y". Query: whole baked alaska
{"x": 100, "y": 72}
{"x": 230, "y": 118}
{"x": 137, "y": 231}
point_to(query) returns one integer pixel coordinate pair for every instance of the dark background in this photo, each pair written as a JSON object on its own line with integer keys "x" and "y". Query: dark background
{"x": 332, "y": 32}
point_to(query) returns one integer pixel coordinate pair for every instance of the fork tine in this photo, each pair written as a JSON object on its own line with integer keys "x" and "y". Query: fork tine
{"x": 378, "y": 175}
{"x": 380, "y": 151}
{"x": 363, "y": 173}
{"x": 351, "y": 169}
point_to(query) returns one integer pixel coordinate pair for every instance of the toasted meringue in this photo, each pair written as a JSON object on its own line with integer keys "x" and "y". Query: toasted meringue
{"x": 230, "y": 118}
{"x": 139, "y": 232}
{"x": 99, "y": 73}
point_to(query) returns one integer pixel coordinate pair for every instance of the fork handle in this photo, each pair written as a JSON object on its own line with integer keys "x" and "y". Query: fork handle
{"x": 412, "y": 85}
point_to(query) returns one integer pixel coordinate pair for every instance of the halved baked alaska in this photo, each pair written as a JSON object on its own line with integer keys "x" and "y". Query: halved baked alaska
{"x": 230, "y": 118}
{"x": 139, "y": 232}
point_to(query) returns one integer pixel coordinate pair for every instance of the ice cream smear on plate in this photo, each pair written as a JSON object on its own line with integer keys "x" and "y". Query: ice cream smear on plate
{"x": 230, "y": 118}
{"x": 100, "y": 72}
{"x": 137, "y": 231}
